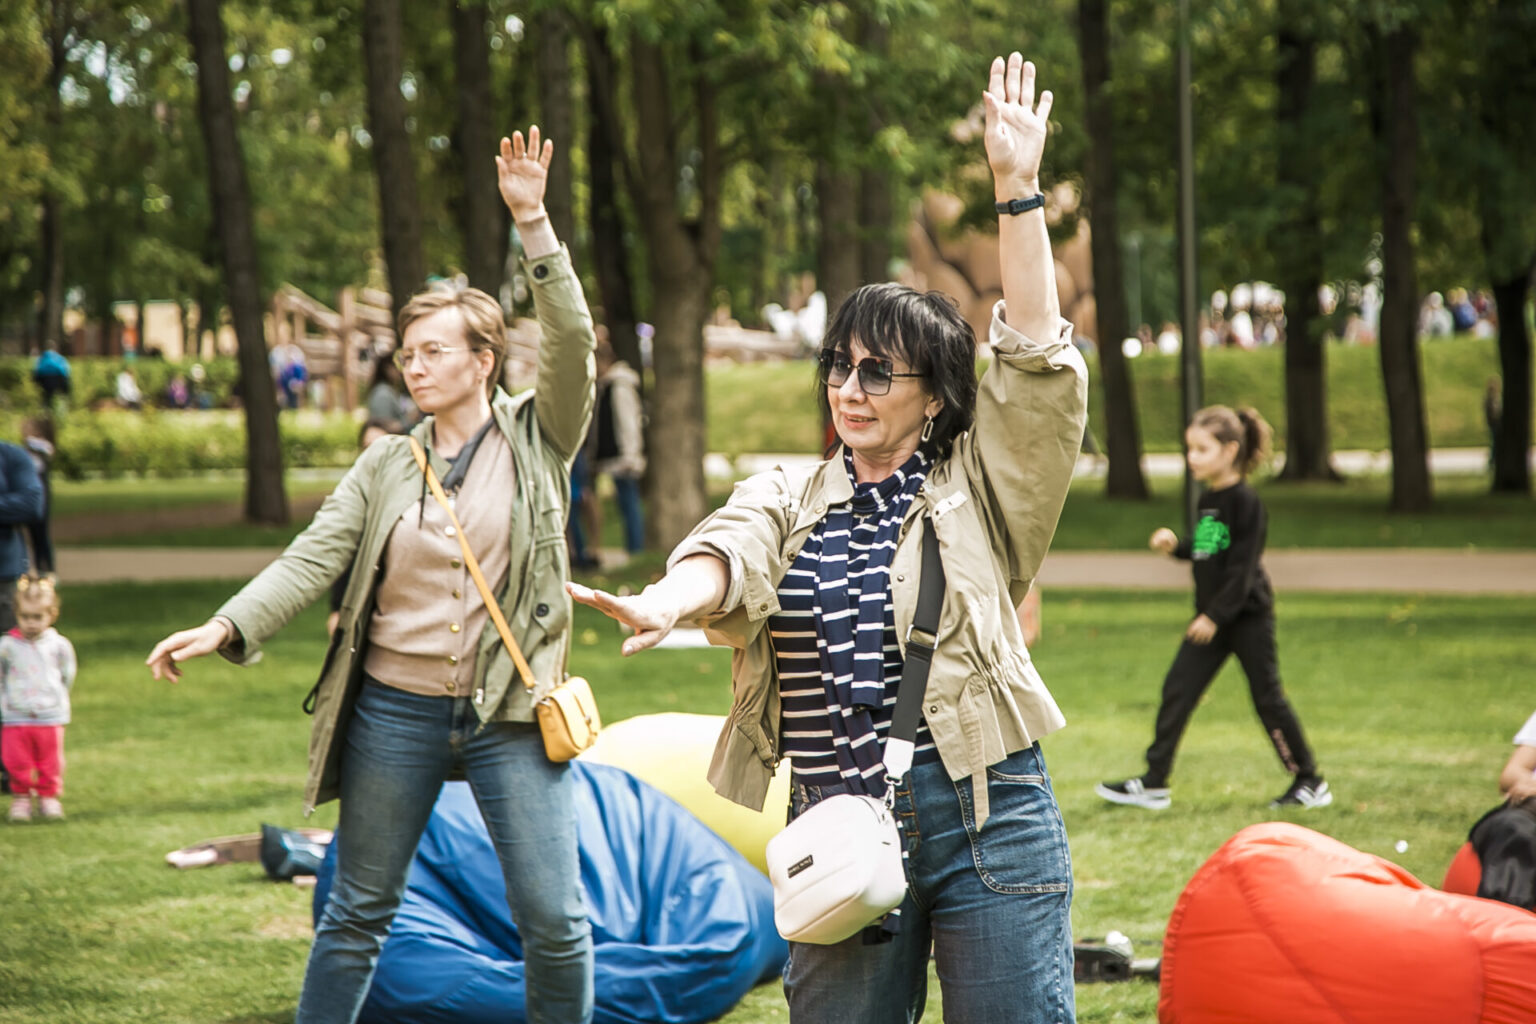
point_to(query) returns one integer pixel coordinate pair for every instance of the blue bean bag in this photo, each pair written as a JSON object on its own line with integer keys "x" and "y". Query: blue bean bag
{"x": 682, "y": 924}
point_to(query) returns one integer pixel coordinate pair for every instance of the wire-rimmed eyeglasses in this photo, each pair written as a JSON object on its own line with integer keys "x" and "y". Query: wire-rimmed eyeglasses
{"x": 875, "y": 375}
{"x": 430, "y": 354}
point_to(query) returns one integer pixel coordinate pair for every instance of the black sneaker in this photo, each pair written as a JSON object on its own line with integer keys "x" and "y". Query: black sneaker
{"x": 1134, "y": 793}
{"x": 1307, "y": 791}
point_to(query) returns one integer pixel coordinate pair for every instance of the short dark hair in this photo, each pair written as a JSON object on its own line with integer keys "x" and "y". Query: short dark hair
{"x": 926, "y": 330}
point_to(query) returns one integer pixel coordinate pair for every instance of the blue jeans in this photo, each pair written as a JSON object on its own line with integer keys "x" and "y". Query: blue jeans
{"x": 400, "y": 748}
{"x": 993, "y": 907}
{"x": 626, "y": 493}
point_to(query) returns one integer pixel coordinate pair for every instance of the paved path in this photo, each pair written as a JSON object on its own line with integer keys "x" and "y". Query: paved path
{"x": 1409, "y": 570}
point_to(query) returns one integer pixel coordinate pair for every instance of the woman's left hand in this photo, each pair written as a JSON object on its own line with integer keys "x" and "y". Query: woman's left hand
{"x": 1016, "y": 125}
{"x": 522, "y": 172}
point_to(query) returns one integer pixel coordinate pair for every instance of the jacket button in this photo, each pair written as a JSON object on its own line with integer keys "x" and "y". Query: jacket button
{"x": 540, "y": 610}
{"x": 541, "y": 271}
{"x": 901, "y": 577}
{"x": 933, "y": 709}
{"x": 453, "y": 659}
{"x": 453, "y": 627}
{"x": 450, "y": 531}
{"x": 449, "y": 685}
{"x": 454, "y": 563}
{"x": 456, "y": 594}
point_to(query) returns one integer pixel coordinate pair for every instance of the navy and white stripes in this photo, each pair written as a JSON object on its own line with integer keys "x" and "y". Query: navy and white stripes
{"x": 834, "y": 638}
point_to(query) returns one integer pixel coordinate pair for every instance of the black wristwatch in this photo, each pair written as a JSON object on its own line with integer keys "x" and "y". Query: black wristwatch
{"x": 1016, "y": 206}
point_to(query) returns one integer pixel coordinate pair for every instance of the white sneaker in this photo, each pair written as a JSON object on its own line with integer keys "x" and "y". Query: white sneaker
{"x": 1134, "y": 793}
{"x": 21, "y": 808}
{"x": 51, "y": 808}
{"x": 1308, "y": 792}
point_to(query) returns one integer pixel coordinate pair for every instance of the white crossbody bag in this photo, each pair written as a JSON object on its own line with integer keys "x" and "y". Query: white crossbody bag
{"x": 837, "y": 868}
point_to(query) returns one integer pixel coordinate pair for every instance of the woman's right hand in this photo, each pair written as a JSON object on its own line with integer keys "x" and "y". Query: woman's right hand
{"x": 649, "y": 613}
{"x": 187, "y": 644}
{"x": 1164, "y": 540}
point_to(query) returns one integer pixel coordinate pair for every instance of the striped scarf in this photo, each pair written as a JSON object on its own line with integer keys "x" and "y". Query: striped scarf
{"x": 849, "y": 609}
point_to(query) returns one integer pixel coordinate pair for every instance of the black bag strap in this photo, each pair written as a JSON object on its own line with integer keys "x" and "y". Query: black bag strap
{"x": 922, "y": 637}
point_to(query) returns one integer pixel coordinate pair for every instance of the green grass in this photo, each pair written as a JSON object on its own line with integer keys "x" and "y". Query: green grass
{"x": 1454, "y": 374}
{"x": 1410, "y": 702}
{"x": 140, "y": 494}
{"x": 1352, "y": 514}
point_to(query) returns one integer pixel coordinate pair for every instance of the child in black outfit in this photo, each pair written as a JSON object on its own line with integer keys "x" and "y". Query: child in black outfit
{"x": 1235, "y": 612}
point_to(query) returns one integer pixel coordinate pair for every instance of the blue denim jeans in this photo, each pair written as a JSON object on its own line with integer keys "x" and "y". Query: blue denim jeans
{"x": 626, "y": 493}
{"x": 400, "y": 748}
{"x": 992, "y": 906}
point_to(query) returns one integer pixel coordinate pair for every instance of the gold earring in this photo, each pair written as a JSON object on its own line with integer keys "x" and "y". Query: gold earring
{"x": 927, "y": 430}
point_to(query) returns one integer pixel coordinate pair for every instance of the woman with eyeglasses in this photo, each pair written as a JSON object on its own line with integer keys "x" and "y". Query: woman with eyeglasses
{"x": 812, "y": 576}
{"x": 417, "y": 687}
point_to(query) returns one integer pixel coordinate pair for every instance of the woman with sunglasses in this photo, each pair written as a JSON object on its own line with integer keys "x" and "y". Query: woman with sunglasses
{"x": 812, "y": 576}
{"x": 417, "y": 687}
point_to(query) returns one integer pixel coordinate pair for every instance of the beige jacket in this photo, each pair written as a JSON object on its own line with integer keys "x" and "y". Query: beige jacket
{"x": 995, "y": 503}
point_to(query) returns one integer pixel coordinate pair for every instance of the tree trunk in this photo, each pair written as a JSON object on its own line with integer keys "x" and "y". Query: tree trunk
{"x": 51, "y": 228}
{"x": 1411, "y": 487}
{"x": 1299, "y": 254}
{"x": 484, "y": 216}
{"x": 610, "y": 251}
{"x": 558, "y": 117}
{"x": 837, "y": 242}
{"x": 876, "y": 204}
{"x": 681, "y": 260}
{"x": 1512, "y": 463}
{"x": 1121, "y": 428}
{"x": 265, "y": 499}
{"x": 399, "y": 204}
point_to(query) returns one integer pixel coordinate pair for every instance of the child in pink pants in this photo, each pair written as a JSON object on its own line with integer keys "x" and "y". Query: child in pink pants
{"x": 37, "y": 669}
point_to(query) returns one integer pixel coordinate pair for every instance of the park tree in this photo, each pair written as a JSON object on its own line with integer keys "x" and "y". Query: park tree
{"x": 1394, "y": 42}
{"x": 554, "y": 74}
{"x": 394, "y": 162}
{"x": 266, "y": 501}
{"x": 482, "y": 216}
{"x": 1122, "y": 432}
{"x": 24, "y": 156}
{"x": 1299, "y": 255}
{"x": 1507, "y": 151}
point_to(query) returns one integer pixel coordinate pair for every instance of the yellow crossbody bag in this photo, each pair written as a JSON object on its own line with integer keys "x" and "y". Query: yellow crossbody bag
{"x": 568, "y": 718}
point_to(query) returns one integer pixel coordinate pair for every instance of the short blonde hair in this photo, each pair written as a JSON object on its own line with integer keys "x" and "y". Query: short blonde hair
{"x": 485, "y": 328}
{"x": 37, "y": 592}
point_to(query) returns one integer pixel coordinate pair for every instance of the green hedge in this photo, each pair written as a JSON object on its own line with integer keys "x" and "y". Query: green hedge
{"x": 116, "y": 442}
{"x": 94, "y": 380}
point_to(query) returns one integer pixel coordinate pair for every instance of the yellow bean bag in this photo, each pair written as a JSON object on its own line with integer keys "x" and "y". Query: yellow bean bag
{"x": 671, "y": 751}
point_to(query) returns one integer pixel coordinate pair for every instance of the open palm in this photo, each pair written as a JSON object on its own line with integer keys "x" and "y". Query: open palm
{"x": 1016, "y": 125}
{"x": 522, "y": 171}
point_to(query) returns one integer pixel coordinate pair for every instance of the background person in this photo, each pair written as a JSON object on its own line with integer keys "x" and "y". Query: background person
{"x": 386, "y": 400}
{"x": 37, "y": 438}
{"x": 21, "y": 504}
{"x": 1234, "y": 613}
{"x": 619, "y": 445}
{"x": 812, "y": 575}
{"x": 1505, "y": 837}
{"x": 417, "y": 687}
{"x": 37, "y": 672}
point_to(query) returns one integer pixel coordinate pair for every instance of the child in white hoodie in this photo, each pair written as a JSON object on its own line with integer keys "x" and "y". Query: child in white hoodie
{"x": 37, "y": 669}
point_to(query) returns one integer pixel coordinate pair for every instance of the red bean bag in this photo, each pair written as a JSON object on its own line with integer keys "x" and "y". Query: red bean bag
{"x": 1283, "y": 924}
{"x": 1464, "y": 873}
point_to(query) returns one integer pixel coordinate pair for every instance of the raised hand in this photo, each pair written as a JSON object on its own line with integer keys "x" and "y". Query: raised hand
{"x": 1016, "y": 125}
{"x": 649, "y": 615}
{"x": 1164, "y": 540}
{"x": 522, "y": 173}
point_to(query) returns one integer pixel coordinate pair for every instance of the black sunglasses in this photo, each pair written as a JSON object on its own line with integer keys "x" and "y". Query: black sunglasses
{"x": 875, "y": 375}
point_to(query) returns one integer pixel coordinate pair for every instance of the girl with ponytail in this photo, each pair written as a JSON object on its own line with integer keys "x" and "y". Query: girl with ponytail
{"x": 1234, "y": 612}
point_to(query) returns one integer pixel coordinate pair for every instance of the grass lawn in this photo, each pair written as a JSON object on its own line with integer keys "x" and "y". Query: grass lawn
{"x": 1410, "y": 702}
{"x": 1352, "y": 514}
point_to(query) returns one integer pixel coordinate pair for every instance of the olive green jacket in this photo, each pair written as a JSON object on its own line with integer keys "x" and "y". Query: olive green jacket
{"x": 544, "y": 426}
{"x": 994, "y": 501}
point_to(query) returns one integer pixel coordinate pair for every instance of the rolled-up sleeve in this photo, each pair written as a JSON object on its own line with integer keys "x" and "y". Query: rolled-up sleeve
{"x": 564, "y": 394}
{"x": 1031, "y": 410}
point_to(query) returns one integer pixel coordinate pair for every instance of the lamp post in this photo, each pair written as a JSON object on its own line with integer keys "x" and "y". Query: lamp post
{"x": 1191, "y": 384}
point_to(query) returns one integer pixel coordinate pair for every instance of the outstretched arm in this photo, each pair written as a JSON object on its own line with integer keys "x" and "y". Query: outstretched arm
{"x": 694, "y": 586}
{"x": 1015, "y": 138}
